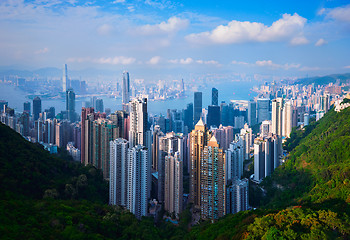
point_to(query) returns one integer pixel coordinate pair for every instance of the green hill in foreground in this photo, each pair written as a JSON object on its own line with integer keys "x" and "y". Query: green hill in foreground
{"x": 306, "y": 198}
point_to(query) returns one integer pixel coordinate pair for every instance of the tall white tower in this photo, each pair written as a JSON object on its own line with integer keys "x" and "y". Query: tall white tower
{"x": 139, "y": 181}
{"x": 64, "y": 78}
{"x": 118, "y": 176}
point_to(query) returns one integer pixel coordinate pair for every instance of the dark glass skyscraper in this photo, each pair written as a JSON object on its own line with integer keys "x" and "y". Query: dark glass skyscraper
{"x": 36, "y": 108}
{"x": 125, "y": 90}
{"x": 213, "y": 118}
{"x": 214, "y": 97}
{"x": 188, "y": 117}
{"x": 99, "y": 105}
{"x": 26, "y": 107}
{"x": 197, "y": 107}
{"x": 70, "y": 104}
{"x": 252, "y": 113}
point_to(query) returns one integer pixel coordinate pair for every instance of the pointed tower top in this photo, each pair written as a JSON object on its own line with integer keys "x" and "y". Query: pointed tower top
{"x": 200, "y": 122}
{"x": 213, "y": 139}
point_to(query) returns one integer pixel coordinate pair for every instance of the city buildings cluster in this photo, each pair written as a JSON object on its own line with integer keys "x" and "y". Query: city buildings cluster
{"x": 195, "y": 155}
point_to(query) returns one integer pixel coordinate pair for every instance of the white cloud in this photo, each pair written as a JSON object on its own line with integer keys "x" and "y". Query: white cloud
{"x": 131, "y": 8}
{"x": 284, "y": 29}
{"x": 118, "y": 60}
{"x": 320, "y": 42}
{"x": 340, "y": 13}
{"x": 239, "y": 63}
{"x": 299, "y": 41}
{"x": 212, "y": 62}
{"x": 104, "y": 29}
{"x": 42, "y": 51}
{"x": 347, "y": 67}
{"x": 154, "y": 60}
{"x": 174, "y": 24}
{"x": 118, "y": 1}
{"x": 181, "y": 61}
{"x": 269, "y": 63}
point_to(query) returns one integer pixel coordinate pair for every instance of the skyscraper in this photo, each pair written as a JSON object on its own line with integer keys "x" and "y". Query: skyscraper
{"x": 234, "y": 161}
{"x": 214, "y": 97}
{"x": 188, "y": 117}
{"x": 70, "y": 104}
{"x": 197, "y": 106}
{"x": 36, "y": 107}
{"x": 64, "y": 78}
{"x": 118, "y": 177}
{"x": 173, "y": 187}
{"x": 26, "y": 107}
{"x": 139, "y": 181}
{"x": 199, "y": 138}
{"x": 276, "y": 116}
{"x": 212, "y": 181}
{"x": 85, "y": 112}
{"x": 125, "y": 90}
{"x": 138, "y": 132}
{"x": 263, "y": 106}
{"x": 99, "y": 105}
{"x": 237, "y": 197}
{"x": 252, "y": 113}
{"x": 213, "y": 118}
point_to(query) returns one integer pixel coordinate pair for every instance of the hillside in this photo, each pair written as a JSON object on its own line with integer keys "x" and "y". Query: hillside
{"x": 45, "y": 197}
{"x": 307, "y": 197}
{"x": 28, "y": 171}
{"x": 324, "y": 80}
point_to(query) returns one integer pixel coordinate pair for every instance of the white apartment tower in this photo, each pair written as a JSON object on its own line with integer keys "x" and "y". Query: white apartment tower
{"x": 173, "y": 190}
{"x": 118, "y": 172}
{"x": 138, "y": 181}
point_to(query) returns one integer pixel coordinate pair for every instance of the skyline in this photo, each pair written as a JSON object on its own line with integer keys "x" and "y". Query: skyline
{"x": 159, "y": 39}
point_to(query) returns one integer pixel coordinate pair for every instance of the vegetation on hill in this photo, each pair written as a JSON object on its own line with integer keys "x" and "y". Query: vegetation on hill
{"x": 308, "y": 197}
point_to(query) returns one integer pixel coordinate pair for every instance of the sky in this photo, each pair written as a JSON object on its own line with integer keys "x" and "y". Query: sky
{"x": 155, "y": 39}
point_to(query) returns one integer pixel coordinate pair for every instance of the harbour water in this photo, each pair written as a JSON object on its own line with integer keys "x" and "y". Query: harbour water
{"x": 227, "y": 91}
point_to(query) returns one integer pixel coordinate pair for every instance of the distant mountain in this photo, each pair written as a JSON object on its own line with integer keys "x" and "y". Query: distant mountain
{"x": 324, "y": 80}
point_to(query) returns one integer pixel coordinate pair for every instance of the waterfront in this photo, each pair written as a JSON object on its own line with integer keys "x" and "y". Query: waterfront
{"x": 227, "y": 91}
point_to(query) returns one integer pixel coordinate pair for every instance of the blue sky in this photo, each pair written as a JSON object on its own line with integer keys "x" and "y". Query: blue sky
{"x": 165, "y": 39}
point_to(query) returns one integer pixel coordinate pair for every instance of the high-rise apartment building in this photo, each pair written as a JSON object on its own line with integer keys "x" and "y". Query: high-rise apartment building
{"x": 173, "y": 186}
{"x": 169, "y": 144}
{"x": 138, "y": 132}
{"x": 125, "y": 90}
{"x": 139, "y": 180}
{"x": 118, "y": 177}
{"x": 234, "y": 161}
{"x": 199, "y": 138}
{"x": 266, "y": 156}
{"x": 237, "y": 196}
{"x": 212, "y": 181}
